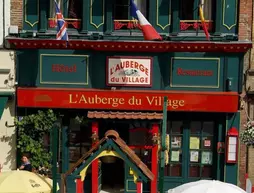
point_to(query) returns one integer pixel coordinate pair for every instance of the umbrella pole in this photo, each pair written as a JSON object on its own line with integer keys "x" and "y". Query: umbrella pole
{"x": 163, "y": 145}
{"x": 54, "y": 157}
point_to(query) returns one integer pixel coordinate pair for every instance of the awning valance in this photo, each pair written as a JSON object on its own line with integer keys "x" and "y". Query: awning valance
{"x": 123, "y": 115}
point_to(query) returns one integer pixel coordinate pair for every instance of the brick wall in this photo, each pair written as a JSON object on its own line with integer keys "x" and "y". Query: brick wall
{"x": 245, "y": 33}
{"x": 17, "y": 13}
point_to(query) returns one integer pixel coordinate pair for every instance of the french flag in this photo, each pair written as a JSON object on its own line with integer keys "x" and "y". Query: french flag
{"x": 148, "y": 31}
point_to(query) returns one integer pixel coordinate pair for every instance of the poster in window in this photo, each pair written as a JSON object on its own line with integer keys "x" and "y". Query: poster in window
{"x": 207, "y": 157}
{"x": 194, "y": 155}
{"x": 176, "y": 142}
{"x": 175, "y": 156}
{"x": 194, "y": 142}
{"x": 207, "y": 143}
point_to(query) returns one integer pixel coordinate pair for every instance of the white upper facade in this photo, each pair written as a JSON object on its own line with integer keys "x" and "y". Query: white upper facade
{"x": 5, "y": 20}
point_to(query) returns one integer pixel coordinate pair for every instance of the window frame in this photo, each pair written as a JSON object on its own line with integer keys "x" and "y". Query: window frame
{"x": 175, "y": 27}
{"x": 130, "y": 19}
{"x": 64, "y": 10}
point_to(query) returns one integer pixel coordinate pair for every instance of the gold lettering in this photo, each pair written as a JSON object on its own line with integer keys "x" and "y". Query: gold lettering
{"x": 181, "y": 103}
{"x": 121, "y": 101}
{"x": 150, "y": 101}
{"x": 131, "y": 101}
{"x": 71, "y": 100}
{"x": 82, "y": 99}
{"x": 104, "y": 101}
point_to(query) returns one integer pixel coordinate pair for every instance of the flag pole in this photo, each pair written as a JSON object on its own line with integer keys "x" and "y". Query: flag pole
{"x": 163, "y": 145}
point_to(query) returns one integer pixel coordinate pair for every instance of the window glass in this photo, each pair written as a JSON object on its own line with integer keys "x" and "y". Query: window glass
{"x": 121, "y": 14}
{"x": 71, "y": 10}
{"x": 190, "y": 17}
{"x": 187, "y": 10}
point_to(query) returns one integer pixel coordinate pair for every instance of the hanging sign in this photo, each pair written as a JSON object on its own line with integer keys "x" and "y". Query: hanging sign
{"x": 129, "y": 71}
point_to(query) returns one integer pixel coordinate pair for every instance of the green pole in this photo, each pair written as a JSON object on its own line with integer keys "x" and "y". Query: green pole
{"x": 163, "y": 145}
{"x": 54, "y": 156}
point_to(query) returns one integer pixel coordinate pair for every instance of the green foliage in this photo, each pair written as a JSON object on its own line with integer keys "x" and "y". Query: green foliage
{"x": 31, "y": 132}
{"x": 247, "y": 136}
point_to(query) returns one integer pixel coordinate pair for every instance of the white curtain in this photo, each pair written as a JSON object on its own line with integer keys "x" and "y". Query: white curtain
{"x": 142, "y": 6}
{"x": 52, "y": 7}
{"x": 207, "y": 9}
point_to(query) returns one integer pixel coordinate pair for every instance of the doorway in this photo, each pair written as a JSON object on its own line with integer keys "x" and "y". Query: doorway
{"x": 192, "y": 153}
{"x": 112, "y": 175}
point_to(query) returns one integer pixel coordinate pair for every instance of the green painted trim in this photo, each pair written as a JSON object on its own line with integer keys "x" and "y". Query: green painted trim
{"x": 163, "y": 145}
{"x": 43, "y": 16}
{"x": 218, "y": 18}
{"x": 90, "y": 159}
{"x": 65, "y": 149}
{"x": 110, "y": 145}
{"x": 175, "y": 27}
{"x": 85, "y": 14}
{"x": 129, "y": 162}
{"x": 54, "y": 144}
{"x": 231, "y": 170}
{"x": 6, "y": 93}
{"x": 3, "y": 102}
{"x": 108, "y": 17}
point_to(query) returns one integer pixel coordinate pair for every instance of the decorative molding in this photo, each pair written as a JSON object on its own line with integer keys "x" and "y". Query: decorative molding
{"x": 131, "y": 46}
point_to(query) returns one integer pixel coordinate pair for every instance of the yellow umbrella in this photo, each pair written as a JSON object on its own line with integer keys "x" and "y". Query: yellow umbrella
{"x": 48, "y": 181}
{"x": 23, "y": 182}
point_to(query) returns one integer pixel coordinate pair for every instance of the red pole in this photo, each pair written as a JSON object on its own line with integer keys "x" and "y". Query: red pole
{"x": 139, "y": 187}
{"x": 154, "y": 165}
{"x": 79, "y": 186}
{"x": 95, "y": 164}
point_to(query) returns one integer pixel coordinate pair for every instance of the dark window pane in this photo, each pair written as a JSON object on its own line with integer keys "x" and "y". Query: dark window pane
{"x": 208, "y": 128}
{"x": 176, "y": 170}
{"x": 177, "y": 127}
{"x": 74, "y": 9}
{"x": 167, "y": 170}
{"x": 187, "y": 10}
{"x": 195, "y": 127}
{"x": 207, "y": 172}
{"x": 121, "y": 10}
{"x": 194, "y": 171}
{"x": 74, "y": 154}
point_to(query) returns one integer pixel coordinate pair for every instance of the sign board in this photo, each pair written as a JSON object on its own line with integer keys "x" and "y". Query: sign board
{"x": 63, "y": 69}
{"x": 127, "y": 100}
{"x": 189, "y": 72}
{"x": 129, "y": 71}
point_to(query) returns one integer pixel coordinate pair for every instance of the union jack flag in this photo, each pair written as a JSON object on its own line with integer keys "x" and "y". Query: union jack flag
{"x": 61, "y": 24}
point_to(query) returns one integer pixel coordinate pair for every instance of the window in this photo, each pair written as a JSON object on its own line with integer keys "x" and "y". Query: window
{"x": 191, "y": 149}
{"x": 189, "y": 14}
{"x": 121, "y": 13}
{"x": 71, "y": 10}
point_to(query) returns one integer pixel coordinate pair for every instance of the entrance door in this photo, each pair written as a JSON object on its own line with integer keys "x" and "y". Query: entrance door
{"x": 192, "y": 152}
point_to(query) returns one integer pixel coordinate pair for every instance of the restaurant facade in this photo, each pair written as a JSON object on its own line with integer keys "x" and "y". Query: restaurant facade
{"x": 117, "y": 82}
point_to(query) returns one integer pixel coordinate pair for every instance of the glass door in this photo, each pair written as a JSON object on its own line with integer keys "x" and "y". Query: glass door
{"x": 192, "y": 152}
{"x": 201, "y": 150}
